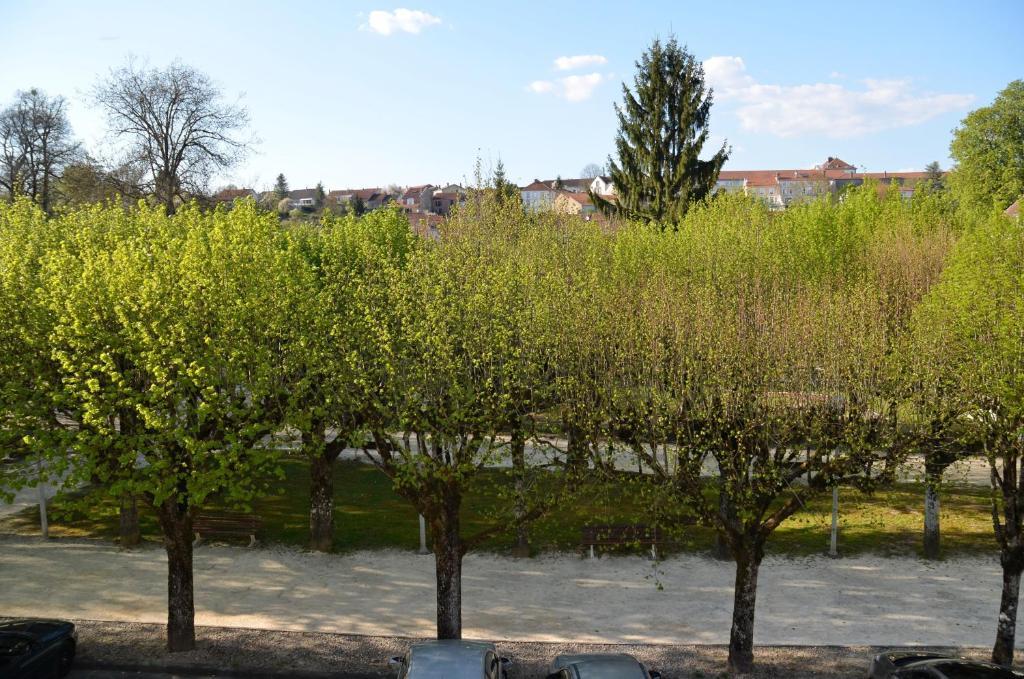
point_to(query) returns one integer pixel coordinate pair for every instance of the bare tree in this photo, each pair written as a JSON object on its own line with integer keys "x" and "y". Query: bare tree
{"x": 36, "y": 144}
{"x": 176, "y": 123}
{"x": 591, "y": 170}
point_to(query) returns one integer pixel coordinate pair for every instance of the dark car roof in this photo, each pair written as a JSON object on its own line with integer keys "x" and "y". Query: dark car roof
{"x": 601, "y": 665}
{"x": 448, "y": 659}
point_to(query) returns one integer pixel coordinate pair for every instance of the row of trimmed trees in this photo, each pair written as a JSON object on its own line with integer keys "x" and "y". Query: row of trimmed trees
{"x": 746, "y": 361}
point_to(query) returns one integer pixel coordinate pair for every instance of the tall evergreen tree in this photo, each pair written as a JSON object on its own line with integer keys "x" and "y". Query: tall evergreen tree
{"x": 281, "y": 186}
{"x": 935, "y": 175}
{"x": 505, "y": 192}
{"x": 663, "y": 125}
{"x": 356, "y": 206}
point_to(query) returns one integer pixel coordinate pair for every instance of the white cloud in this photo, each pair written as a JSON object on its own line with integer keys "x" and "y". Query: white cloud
{"x": 579, "y": 61}
{"x": 828, "y": 109}
{"x": 570, "y": 88}
{"x": 399, "y": 21}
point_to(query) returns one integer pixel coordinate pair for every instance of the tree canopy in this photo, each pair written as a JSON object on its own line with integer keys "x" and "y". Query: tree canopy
{"x": 175, "y": 123}
{"x": 988, "y": 148}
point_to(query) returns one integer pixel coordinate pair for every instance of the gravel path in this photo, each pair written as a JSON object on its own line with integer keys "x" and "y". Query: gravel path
{"x": 685, "y": 599}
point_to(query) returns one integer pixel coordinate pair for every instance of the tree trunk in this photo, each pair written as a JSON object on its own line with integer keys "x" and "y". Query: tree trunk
{"x": 129, "y": 521}
{"x": 176, "y": 524}
{"x": 932, "y": 544}
{"x": 1006, "y": 631}
{"x": 522, "y": 545}
{"x": 741, "y": 636}
{"x": 321, "y": 502}
{"x": 448, "y": 554}
{"x": 575, "y": 452}
{"x": 722, "y": 551}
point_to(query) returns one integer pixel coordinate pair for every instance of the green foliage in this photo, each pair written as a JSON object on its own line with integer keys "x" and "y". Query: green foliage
{"x": 663, "y": 126}
{"x": 322, "y": 271}
{"x": 28, "y": 374}
{"x": 988, "y": 148}
{"x": 155, "y": 333}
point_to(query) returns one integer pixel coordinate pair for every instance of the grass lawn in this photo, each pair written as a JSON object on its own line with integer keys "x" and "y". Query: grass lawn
{"x": 369, "y": 515}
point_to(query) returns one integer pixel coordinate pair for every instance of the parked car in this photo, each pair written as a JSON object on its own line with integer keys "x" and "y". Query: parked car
{"x": 36, "y": 649}
{"x": 600, "y": 666}
{"x": 918, "y": 665}
{"x": 451, "y": 659}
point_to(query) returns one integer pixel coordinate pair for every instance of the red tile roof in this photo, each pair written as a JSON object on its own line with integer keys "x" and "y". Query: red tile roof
{"x": 836, "y": 164}
{"x": 536, "y": 185}
{"x": 1014, "y": 210}
{"x": 228, "y": 195}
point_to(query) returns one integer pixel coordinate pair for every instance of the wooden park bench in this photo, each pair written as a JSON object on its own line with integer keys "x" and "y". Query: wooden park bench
{"x": 617, "y": 535}
{"x": 226, "y": 524}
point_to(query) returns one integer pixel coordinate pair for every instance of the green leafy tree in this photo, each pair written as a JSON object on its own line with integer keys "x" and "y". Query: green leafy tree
{"x": 968, "y": 332}
{"x": 663, "y": 126}
{"x": 164, "y": 365}
{"x": 988, "y": 148}
{"x": 743, "y": 357}
{"x": 448, "y": 357}
{"x": 29, "y": 427}
{"x": 325, "y": 265}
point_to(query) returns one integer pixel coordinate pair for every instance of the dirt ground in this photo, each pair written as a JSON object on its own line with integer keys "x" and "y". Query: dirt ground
{"x": 248, "y": 652}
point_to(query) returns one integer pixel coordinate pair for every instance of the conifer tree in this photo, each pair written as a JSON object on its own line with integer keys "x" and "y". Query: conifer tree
{"x": 281, "y": 186}
{"x": 505, "y": 192}
{"x": 357, "y": 206}
{"x": 663, "y": 125}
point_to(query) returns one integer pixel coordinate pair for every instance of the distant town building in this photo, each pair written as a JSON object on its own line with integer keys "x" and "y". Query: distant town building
{"x": 442, "y": 201}
{"x": 228, "y": 196}
{"x": 1013, "y": 210}
{"x": 780, "y": 188}
{"x": 418, "y": 197}
{"x": 302, "y": 198}
{"x": 542, "y": 195}
{"x": 372, "y": 198}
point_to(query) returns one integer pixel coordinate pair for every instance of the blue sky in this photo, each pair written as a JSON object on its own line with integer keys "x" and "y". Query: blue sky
{"x": 366, "y": 93}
